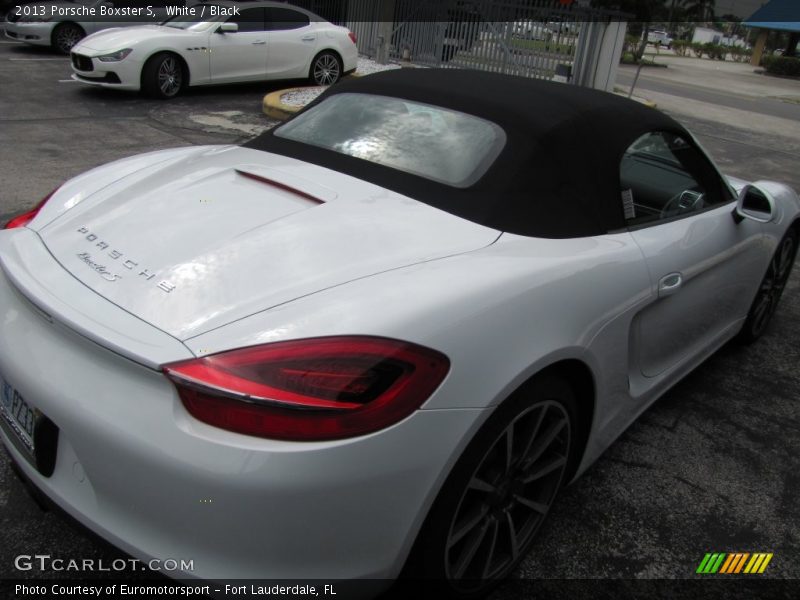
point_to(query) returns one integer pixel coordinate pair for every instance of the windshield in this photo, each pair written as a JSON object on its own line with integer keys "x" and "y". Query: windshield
{"x": 443, "y": 145}
{"x": 199, "y": 22}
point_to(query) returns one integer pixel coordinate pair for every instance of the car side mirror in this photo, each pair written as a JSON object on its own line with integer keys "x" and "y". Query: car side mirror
{"x": 228, "y": 28}
{"x": 756, "y": 204}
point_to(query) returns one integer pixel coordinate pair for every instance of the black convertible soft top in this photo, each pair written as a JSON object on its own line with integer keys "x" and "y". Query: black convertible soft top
{"x": 556, "y": 177}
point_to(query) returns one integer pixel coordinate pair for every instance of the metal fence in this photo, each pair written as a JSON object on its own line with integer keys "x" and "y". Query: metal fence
{"x": 532, "y": 38}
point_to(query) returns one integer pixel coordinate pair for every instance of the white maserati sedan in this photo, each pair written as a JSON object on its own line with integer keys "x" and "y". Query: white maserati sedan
{"x": 218, "y": 43}
{"x": 379, "y": 338}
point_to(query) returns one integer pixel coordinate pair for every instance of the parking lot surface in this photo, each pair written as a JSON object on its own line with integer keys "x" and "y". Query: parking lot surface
{"x": 714, "y": 466}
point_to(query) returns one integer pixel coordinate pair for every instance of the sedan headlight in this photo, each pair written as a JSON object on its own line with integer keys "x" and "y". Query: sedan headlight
{"x": 115, "y": 56}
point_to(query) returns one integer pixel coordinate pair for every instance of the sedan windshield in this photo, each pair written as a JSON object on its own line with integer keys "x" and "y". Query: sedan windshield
{"x": 191, "y": 22}
{"x": 443, "y": 145}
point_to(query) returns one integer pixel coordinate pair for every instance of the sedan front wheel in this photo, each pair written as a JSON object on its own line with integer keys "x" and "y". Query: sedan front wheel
{"x": 163, "y": 76}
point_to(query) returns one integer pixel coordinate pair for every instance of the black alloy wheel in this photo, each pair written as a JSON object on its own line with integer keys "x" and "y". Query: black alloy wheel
{"x": 771, "y": 288}
{"x": 498, "y": 495}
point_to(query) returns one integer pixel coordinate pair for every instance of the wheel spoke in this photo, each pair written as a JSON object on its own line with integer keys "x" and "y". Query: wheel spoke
{"x": 543, "y": 442}
{"x": 480, "y": 485}
{"x": 762, "y": 311}
{"x": 535, "y": 432}
{"x": 492, "y": 546}
{"x": 545, "y": 469}
{"x": 467, "y": 526}
{"x": 465, "y": 559}
{"x": 512, "y": 534}
{"x": 533, "y": 505}
{"x": 509, "y": 447}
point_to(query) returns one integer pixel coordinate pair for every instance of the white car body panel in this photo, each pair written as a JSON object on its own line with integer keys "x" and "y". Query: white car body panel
{"x": 231, "y": 57}
{"x": 289, "y": 52}
{"x": 213, "y": 57}
{"x": 715, "y": 267}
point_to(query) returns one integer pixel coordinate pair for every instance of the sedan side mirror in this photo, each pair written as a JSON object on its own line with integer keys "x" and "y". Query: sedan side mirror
{"x": 228, "y": 28}
{"x": 756, "y": 204}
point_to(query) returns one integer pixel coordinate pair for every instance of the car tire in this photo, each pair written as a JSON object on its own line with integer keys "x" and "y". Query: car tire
{"x": 492, "y": 504}
{"x": 326, "y": 68}
{"x": 771, "y": 288}
{"x": 163, "y": 76}
{"x": 65, "y": 36}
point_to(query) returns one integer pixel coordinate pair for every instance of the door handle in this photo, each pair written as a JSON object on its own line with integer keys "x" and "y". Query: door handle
{"x": 261, "y": 43}
{"x": 308, "y": 38}
{"x": 669, "y": 284}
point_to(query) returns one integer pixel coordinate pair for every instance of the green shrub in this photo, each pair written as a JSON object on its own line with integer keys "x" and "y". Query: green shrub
{"x": 717, "y": 51}
{"x": 632, "y": 43}
{"x": 698, "y": 49}
{"x": 681, "y": 47}
{"x": 740, "y": 54}
{"x": 781, "y": 65}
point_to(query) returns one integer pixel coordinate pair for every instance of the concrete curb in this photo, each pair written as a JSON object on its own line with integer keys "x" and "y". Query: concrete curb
{"x": 275, "y": 109}
{"x": 649, "y": 103}
{"x": 645, "y": 101}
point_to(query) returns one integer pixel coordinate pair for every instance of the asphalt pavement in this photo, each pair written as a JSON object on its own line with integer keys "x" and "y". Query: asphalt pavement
{"x": 714, "y": 466}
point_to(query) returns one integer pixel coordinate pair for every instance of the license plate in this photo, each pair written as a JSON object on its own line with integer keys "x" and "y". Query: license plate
{"x": 18, "y": 415}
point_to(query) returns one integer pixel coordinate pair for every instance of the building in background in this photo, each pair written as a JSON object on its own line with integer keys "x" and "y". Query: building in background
{"x": 775, "y": 15}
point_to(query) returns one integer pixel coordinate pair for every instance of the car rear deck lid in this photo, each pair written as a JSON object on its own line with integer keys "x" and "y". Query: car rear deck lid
{"x": 288, "y": 182}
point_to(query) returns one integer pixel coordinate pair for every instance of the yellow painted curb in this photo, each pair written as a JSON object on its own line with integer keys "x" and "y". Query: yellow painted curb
{"x": 649, "y": 103}
{"x": 275, "y": 109}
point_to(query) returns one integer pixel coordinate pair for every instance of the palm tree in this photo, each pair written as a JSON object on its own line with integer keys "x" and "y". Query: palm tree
{"x": 699, "y": 10}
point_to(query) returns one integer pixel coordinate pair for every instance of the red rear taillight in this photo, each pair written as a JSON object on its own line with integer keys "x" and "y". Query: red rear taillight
{"x": 352, "y": 36}
{"x": 27, "y": 217}
{"x": 312, "y": 389}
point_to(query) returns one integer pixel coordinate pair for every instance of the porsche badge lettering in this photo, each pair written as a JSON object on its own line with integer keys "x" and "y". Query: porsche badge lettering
{"x": 101, "y": 269}
{"x": 116, "y": 255}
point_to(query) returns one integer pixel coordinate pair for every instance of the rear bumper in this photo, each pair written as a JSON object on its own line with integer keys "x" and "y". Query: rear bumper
{"x": 136, "y": 469}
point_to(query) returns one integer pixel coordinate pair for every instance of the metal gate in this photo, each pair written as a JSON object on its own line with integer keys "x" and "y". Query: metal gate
{"x": 532, "y": 38}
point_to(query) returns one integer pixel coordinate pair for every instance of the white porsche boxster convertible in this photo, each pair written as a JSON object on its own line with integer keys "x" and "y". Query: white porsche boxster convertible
{"x": 219, "y": 42}
{"x": 382, "y": 335}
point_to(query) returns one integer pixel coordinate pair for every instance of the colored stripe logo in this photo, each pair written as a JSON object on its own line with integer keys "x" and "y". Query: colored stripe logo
{"x": 733, "y": 563}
